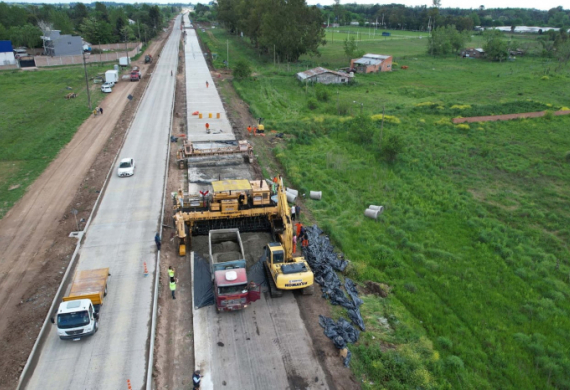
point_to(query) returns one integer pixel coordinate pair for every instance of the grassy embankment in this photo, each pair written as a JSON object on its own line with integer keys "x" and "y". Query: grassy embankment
{"x": 474, "y": 237}
{"x": 36, "y": 122}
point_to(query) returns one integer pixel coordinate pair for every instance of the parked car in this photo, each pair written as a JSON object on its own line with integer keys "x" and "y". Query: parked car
{"x": 109, "y": 84}
{"x": 106, "y": 89}
{"x": 126, "y": 167}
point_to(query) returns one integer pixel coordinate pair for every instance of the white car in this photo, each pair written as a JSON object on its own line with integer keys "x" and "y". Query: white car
{"x": 106, "y": 89}
{"x": 110, "y": 84}
{"x": 126, "y": 167}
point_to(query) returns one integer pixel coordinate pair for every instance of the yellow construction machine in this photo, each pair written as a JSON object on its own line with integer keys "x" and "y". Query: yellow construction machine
{"x": 248, "y": 206}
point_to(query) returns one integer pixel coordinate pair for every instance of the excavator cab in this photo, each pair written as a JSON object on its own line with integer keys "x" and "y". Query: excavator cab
{"x": 275, "y": 253}
{"x": 286, "y": 275}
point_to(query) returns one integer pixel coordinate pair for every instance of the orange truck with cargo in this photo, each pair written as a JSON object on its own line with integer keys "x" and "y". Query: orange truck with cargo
{"x": 78, "y": 314}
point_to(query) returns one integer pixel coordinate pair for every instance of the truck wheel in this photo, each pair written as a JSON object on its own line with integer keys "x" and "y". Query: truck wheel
{"x": 105, "y": 294}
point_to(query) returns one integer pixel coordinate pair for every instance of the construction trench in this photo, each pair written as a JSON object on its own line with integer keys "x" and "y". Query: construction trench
{"x": 266, "y": 345}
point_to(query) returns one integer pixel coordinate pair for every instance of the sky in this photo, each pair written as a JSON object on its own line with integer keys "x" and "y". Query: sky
{"x": 543, "y": 4}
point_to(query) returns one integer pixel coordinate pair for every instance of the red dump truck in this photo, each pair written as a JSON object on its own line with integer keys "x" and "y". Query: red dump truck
{"x": 136, "y": 74}
{"x": 228, "y": 267}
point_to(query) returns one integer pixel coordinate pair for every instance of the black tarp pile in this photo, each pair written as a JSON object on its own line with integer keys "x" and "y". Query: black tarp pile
{"x": 256, "y": 273}
{"x": 203, "y": 287}
{"x": 341, "y": 333}
{"x": 324, "y": 261}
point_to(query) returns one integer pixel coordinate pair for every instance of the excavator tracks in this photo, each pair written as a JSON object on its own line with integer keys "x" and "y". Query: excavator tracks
{"x": 309, "y": 290}
{"x": 273, "y": 290}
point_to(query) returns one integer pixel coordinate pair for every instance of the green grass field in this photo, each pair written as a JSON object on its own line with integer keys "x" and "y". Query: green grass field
{"x": 36, "y": 122}
{"x": 474, "y": 237}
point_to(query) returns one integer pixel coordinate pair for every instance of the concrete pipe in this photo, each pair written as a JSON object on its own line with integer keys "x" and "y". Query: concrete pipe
{"x": 294, "y": 192}
{"x": 290, "y": 197}
{"x": 316, "y": 195}
{"x": 379, "y": 208}
{"x": 371, "y": 213}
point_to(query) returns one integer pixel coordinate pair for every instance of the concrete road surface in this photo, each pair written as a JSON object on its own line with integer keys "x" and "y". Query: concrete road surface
{"x": 202, "y": 98}
{"x": 121, "y": 238}
{"x": 265, "y": 346}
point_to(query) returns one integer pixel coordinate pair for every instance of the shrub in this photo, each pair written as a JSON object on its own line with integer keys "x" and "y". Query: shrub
{"x": 548, "y": 115}
{"x": 387, "y": 118}
{"x": 418, "y": 258}
{"x": 454, "y": 363}
{"x": 312, "y": 104}
{"x": 544, "y": 78}
{"x": 343, "y": 108}
{"x": 426, "y": 104}
{"x": 460, "y": 106}
{"x": 462, "y": 126}
{"x": 567, "y": 156}
{"x": 411, "y": 287}
{"x": 445, "y": 343}
{"x": 394, "y": 146}
{"x": 564, "y": 109}
{"x": 242, "y": 70}
{"x": 443, "y": 122}
{"x": 322, "y": 94}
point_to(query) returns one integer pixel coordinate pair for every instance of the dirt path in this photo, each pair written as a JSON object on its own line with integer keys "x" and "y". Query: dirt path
{"x": 34, "y": 244}
{"x": 174, "y": 348}
{"x": 506, "y": 117}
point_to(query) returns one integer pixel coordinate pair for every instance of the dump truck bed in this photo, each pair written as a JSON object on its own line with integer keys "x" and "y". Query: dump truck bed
{"x": 89, "y": 284}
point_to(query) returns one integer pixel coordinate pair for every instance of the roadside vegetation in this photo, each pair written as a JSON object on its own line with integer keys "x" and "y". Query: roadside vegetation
{"x": 97, "y": 23}
{"x": 37, "y": 122}
{"x": 472, "y": 247}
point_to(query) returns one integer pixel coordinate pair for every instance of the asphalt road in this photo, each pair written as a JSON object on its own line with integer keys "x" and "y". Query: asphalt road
{"x": 121, "y": 237}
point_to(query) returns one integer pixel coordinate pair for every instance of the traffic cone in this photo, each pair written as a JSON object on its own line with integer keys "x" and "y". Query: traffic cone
{"x": 145, "y": 270}
{"x": 129, "y": 384}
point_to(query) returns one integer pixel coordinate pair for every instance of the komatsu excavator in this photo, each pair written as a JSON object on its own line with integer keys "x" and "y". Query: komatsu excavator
{"x": 248, "y": 206}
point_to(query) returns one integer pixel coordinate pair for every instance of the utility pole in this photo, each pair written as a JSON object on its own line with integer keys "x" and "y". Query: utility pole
{"x": 382, "y": 126}
{"x": 228, "y": 53}
{"x": 87, "y": 82}
{"x": 337, "y": 97}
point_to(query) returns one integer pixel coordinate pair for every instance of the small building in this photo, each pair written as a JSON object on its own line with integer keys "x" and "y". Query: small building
{"x": 354, "y": 23}
{"x": 371, "y": 63}
{"x": 473, "y": 53}
{"x": 6, "y": 53}
{"x": 324, "y": 76}
{"x": 62, "y": 45}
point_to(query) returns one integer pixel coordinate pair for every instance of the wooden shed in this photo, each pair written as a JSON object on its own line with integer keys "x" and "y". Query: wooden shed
{"x": 324, "y": 76}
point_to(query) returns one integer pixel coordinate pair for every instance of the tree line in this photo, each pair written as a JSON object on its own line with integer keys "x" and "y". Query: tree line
{"x": 97, "y": 23}
{"x": 398, "y": 16}
{"x": 284, "y": 28}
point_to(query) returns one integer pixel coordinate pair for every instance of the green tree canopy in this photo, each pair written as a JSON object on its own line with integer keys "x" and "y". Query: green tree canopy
{"x": 496, "y": 48}
{"x": 447, "y": 40}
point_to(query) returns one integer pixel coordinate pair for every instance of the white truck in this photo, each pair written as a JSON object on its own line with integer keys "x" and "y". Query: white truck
{"x": 112, "y": 76}
{"x": 78, "y": 314}
{"x": 124, "y": 61}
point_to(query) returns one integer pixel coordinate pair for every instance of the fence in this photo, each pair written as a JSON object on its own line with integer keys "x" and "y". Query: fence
{"x": 78, "y": 59}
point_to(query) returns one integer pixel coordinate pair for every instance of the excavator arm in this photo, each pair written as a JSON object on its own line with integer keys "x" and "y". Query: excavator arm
{"x": 286, "y": 237}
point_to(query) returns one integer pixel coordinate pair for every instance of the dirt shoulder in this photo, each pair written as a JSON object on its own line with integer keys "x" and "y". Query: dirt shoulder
{"x": 34, "y": 244}
{"x": 174, "y": 347}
